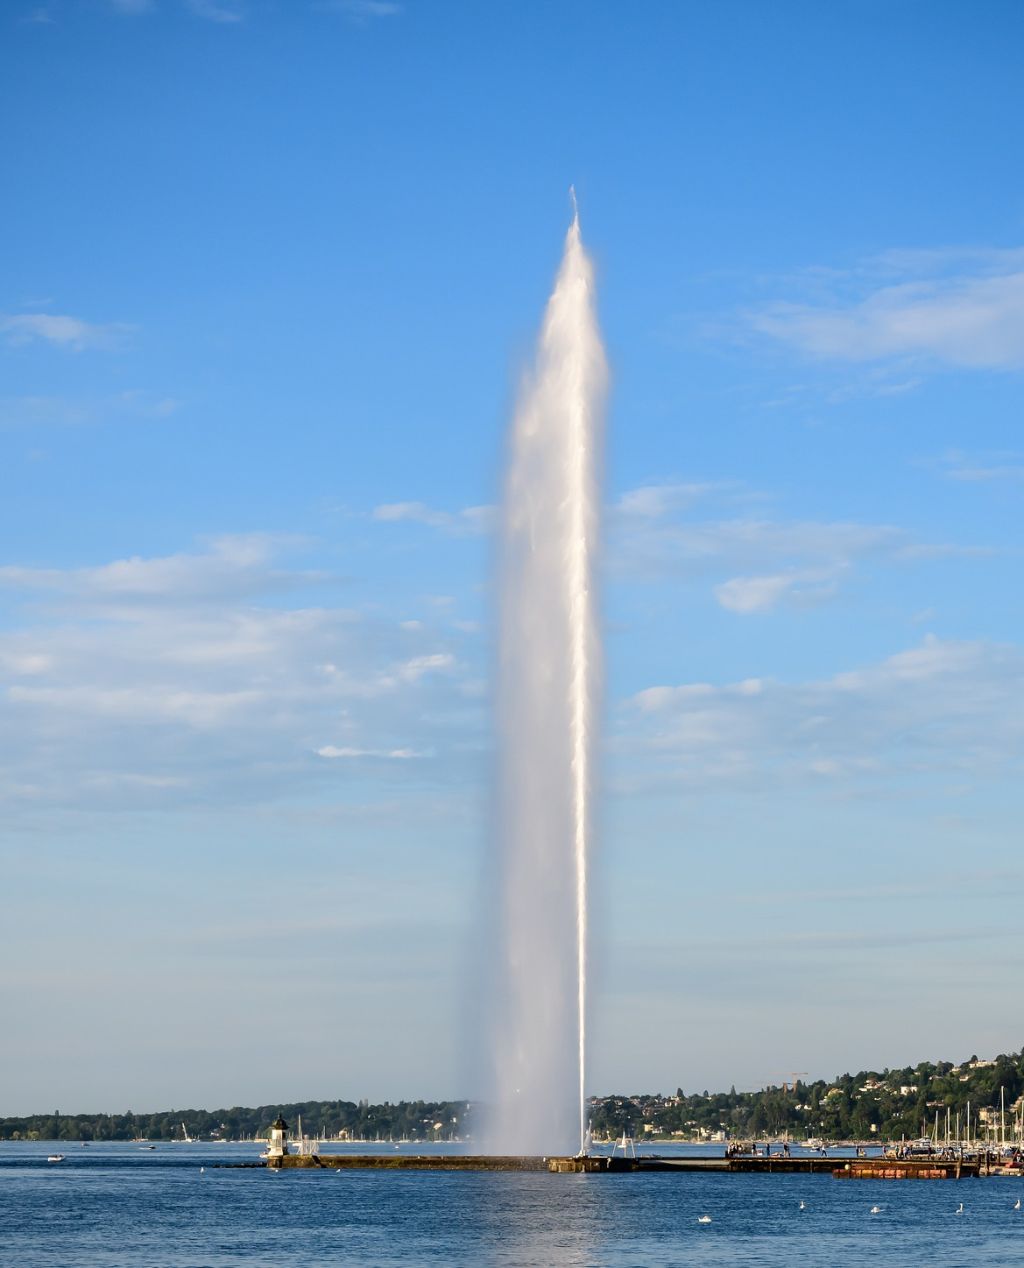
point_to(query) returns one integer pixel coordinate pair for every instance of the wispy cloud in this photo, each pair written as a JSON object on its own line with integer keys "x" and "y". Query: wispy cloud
{"x": 470, "y": 520}
{"x": 761, "y": 563}
{"x": 979, "y": 468}
{"x": 189, "y": 678}
{"x": 61, "y": 331}
{"x": 361, "y": 11}
{"x": 200, "y": 710}
{"x": 969, "y": 313}
{"x": 224, "y": 11}
{"x": 753, "y": 563}
{"x": 394, "y": 754}
{"x": 805, "y": 587}
{"x": 231, "y": 565}
{"x": 986, "y": 884}
{"x": 829, "y": 552}
{"x": 940, "y": 707}
{"x": 654, "y": 501}
{"x": 69, "y": 411}
{"x": 874, "y": 384}
{"x": 933, "y": 261}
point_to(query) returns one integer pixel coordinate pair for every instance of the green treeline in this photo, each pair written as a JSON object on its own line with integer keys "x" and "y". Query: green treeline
{"x": 885, "y": 1104}
{"x": 407, "y": 1120}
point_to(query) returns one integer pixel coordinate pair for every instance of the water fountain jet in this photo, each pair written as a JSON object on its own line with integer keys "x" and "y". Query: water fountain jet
{"x": 548, "y": 687}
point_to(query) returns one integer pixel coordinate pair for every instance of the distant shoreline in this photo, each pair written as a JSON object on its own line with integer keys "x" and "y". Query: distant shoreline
{"x": 976, "y": 1100}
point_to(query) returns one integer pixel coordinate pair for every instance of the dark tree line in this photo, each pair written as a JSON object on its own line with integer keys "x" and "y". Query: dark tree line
{"x": 404, "y": 1120}
{"x": 886, "y": 1104}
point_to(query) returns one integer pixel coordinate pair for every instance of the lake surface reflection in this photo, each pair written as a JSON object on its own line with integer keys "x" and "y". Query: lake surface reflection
{"x": 120, "y": 1205}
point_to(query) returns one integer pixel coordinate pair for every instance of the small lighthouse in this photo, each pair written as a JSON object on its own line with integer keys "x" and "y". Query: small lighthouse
{"x": 277, "y": 1146}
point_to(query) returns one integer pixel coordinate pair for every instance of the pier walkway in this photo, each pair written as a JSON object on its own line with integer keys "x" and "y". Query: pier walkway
{"x": 841, "y": 1168}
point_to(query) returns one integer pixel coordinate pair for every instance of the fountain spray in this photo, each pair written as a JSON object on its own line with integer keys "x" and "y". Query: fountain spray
{"x": 548, "y": 698}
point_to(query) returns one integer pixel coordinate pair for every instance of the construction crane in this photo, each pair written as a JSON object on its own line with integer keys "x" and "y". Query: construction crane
{"x": 789, "y": 1078}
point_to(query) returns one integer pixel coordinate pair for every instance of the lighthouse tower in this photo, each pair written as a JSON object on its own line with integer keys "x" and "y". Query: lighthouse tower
{"x": 277, "y": 1146}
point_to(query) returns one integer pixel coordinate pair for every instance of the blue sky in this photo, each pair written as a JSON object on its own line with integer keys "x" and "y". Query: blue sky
{"x": 271, "y": 275}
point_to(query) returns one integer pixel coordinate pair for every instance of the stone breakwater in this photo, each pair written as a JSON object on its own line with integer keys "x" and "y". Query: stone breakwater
{"x": 877, "y": 1168}
{"x": 407, "y": 1162}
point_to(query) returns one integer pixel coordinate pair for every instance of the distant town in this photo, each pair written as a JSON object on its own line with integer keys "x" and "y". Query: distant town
{"x": 981, "y": 1097}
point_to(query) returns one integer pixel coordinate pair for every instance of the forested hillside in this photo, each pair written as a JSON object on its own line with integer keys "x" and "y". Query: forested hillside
{"x": 883, "y": 1104}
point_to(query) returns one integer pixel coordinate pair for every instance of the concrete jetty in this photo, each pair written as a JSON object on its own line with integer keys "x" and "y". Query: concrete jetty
{"x": 407, "y": 1162}
{"x": 841, "y": 1168}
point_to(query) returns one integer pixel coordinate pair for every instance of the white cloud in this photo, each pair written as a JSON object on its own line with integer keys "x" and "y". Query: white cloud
{"x": 23, "y": 662}
{"x": 167, "y": 682}
{"x": 969, "y": 318}
{"x": 752, "y": 563}
{"x": 800, "y": 561}
{"x": 746, "y": 595}
{"x": 201, "y": 710}
{"x": 872, "y": 383}
{"x": 232, "y": 565}
{"x": 147, "y": 404}
{"x": 902, "y": 262}
{"x": 61, "y": 331}
{"x": 761, "y": 539}
{"x": 651, "y": 536}
{"x": 223, "y": 11}
{"x": 1001, "y": 465}
{"x": 362, "y": 11}
{"x": 753, "y": 594}
{"x": 470, "y": 520}
{"x": 653, "y": 501}
{"x": 420, "y": 665}
{"x": 933, "y": 659}
{"x": 66, "y": 411}
{"x": 646, "y": 502}
{"x": 395, "y": 754}
{"x": 940, "y": 708}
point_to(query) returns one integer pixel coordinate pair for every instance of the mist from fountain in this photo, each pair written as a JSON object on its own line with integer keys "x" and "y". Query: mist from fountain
{"x": 549, "y": 676}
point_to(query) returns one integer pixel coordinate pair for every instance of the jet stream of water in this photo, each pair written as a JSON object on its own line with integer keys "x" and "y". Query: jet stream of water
{"x": 581, "y": 623}
{"x": 548, "y": 681}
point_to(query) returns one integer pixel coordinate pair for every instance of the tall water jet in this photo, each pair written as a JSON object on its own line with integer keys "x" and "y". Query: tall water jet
{"x": 549, "y": 674}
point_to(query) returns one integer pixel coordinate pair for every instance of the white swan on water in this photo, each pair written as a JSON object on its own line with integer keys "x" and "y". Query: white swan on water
{"x": 960, "y": 1209}
{"x": 803, "y": 1206}
{"x": 703, "y": 1219}
{"x": 876, "y": 1210}
{"x": 1016, "y": 1205}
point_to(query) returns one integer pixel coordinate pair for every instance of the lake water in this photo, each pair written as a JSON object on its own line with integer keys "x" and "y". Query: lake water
{"x": 118, "y": 1205}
